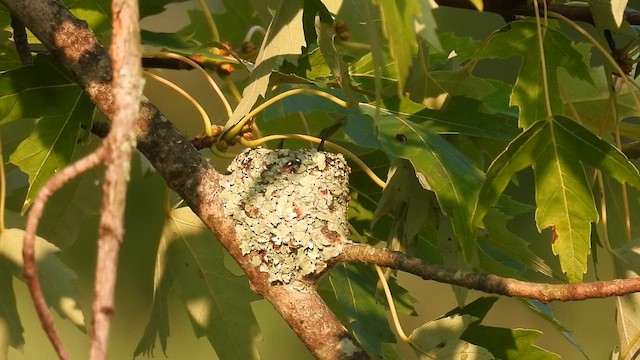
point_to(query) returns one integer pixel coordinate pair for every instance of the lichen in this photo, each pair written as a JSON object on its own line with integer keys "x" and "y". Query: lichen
{"x": 289, "y": 209}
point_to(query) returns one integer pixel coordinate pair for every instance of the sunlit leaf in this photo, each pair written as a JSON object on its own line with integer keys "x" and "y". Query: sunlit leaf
{"x": 57, "y": 280}
{"x": 627, "y": 265}
{"x": 521, "y": 38}
{"x": 354, "y": 287}
{"x": 556, "y": 149}
{"x": 284, "y": 40}
{"x": 45, "y": 92}
{"x": 440, "y": 339}
{"x": 217, "y": 302}
{"x": 398, "y": 23}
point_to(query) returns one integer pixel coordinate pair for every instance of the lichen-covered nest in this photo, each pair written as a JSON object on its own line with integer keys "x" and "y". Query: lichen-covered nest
{"x": 290, "y": 209}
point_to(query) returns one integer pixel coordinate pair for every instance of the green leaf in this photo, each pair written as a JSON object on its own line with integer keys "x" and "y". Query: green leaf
{"x": 11, "y": 330}
{"x": 57, "y": 280}
{"x": 45, "y": 92}
{"x": 425, "y": 24}
{"x": 284, "y": 40}
{"x": 440, "y": 339}
{"x": 72, "y": 205}
{"x": 508, "y": 344}
{"x": 478, "y": 308}
{"x": 608, "y": 14}
{"x": 627, "y": 265}
{"x": 556, "y": 149}
{"x": 158, "y": 323}
{"x": 521, "y": 38}
{"x": 439, "y": 166}
{"x": 507, "y": 243}
{"x": 413, "y": 205}
{"x": 462, "y": 116}
{"x": 217, "y": 302}
{"x": 398, "y": 23}
{"x": 354, "y": 286}
{"x": 546, "y": 312}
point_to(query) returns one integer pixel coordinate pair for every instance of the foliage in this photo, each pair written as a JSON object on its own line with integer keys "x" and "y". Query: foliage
{"x": 454, "y": 144}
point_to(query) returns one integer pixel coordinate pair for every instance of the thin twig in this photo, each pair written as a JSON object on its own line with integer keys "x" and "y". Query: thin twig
{"x": 120, "y": 143}
{"x": 28, "y": 251}
{"x": 487, "y": 282}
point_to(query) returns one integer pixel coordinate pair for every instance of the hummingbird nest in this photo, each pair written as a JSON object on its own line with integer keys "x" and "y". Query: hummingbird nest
{"x": 290, "y": 209}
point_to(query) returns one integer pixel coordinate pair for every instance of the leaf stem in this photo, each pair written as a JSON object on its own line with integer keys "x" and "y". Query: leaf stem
{"x": 215, "y": 35}
{"x": 202, "y": 71}
{"x": 392, "y": 306}
{"x": 543, "y": 63}
{"x": 205, "y": 117}
{"x": 3, "y": 188}
{"x": 235, "y": 129}
{"x": 315, "y": 140}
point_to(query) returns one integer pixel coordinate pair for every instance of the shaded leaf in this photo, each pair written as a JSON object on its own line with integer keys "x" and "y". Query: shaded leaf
{"x": 354, "y": 286}
{"x": 515, "y": 248}
{"x": 217, "y": 302}
{"x": 521, "y": 38}
{"x": 479, "y": 308}
{"x": 608, "y": 14}
{"x": 508, "y": 344}
{"x": 546, "y": 312}
{"x": 413, "y": 205}
{"x": 57, "y": 280}
{"x": 440, "y": 167}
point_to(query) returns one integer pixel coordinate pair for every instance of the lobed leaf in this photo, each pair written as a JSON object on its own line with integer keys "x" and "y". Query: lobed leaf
{"x": 44, "y": 91}
{"x": 557, "y": 149}
{"x": 354, "y": 287}
{"x": 284, "y": 40}
{"x": 521, "y": 38}
{"x": 440, "y": 167}
{"x": 56, "y": 278}
{"x": 217, "y": 302}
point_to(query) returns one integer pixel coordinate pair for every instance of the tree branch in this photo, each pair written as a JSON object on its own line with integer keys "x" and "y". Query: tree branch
{"x": 119, "y": 145}
{"x": 511, "y": 9}
{"x": 183, "y": 168}
{"x": 486, "y": 282}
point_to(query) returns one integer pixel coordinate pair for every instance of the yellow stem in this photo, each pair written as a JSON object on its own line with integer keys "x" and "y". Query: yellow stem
{"x": 200, "y": 70}
{"x": 205, "y": 117}
{"x": 215, "y": 35}
{"x": 385, "y": 287}
{"x": 392, "y": 306}
{"x": 328, "y": 144}
{"x": 234, "y": 130}
{"x": 545, "y": 80}
{"x": 3, "y": 189}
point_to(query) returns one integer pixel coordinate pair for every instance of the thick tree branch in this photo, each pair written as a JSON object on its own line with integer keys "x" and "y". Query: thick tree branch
{"x": 183, "y": 168}
{"x": 486, "y": 282}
